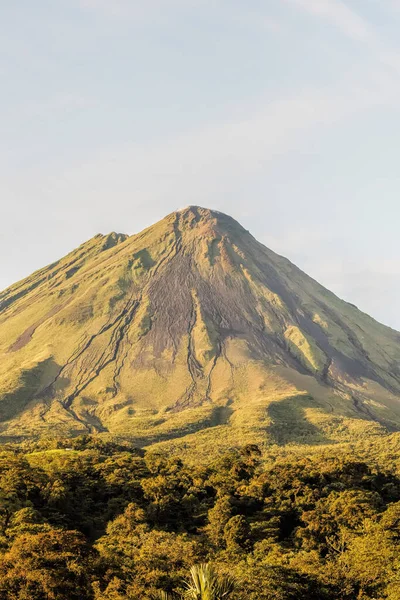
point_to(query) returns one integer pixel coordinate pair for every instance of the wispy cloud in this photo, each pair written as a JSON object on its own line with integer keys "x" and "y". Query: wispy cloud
{"x": 92, "y": 143}
{"x": 253, "y": 18}
{"x": 355, "y": 27}
{"x": 209, "y": 163}
{"x": 170, "y": 11}
{"x": 140, "y": 10}
{"x": 338, "y": 14}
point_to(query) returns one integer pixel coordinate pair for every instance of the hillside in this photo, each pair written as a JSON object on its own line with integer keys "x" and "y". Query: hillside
{"x": 191, "y": 333}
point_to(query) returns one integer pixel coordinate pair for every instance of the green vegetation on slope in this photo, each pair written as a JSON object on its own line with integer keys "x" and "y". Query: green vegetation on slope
{"x": 190, "y": 331}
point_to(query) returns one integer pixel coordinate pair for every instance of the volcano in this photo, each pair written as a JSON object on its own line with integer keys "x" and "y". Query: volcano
{"x": 194, "y": 336}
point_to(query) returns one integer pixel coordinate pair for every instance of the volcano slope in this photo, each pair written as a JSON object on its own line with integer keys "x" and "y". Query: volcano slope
{"x": 194, "y": 335}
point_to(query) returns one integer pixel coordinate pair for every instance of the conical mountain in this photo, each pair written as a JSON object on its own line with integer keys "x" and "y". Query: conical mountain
{"x": 192, "y": 333}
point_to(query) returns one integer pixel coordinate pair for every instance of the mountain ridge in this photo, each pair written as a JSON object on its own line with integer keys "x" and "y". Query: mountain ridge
{"x": 188, "y": 326}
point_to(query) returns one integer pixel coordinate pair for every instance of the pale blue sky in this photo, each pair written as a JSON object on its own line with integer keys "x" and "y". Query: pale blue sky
{"x": 283, "y": 113}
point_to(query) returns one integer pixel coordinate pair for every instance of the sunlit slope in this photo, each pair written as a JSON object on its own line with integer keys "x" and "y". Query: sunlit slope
{"x": 191, "y": 334}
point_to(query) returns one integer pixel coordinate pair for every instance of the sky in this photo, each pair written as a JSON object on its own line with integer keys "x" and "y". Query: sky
{"x": 284, "y": 114}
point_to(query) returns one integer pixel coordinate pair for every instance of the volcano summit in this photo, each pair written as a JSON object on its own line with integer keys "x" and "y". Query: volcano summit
{"x": 194, "y": 335}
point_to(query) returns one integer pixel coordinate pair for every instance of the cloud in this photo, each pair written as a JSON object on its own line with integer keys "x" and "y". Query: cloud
{"x": 167, "y": 12}
{"x": 215, "y": 166}
{"x": 233, "y": 164}
{"x": 339, "y": 15}
{"x": 56, "y": 104}
{"x": 139, "y": 10}
{"x": 252, "y": 18}
{"x": 355, "y": 27}
{"x": 203, "y": 166}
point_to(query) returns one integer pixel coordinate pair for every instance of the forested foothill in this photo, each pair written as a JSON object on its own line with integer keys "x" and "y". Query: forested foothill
{"x": 86, "y": 519}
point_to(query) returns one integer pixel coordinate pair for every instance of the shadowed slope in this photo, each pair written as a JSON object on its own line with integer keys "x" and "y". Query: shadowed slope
{"x": 188, "y": 330}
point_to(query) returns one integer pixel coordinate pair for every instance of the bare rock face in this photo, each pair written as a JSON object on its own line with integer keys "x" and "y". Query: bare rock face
{"x": 194, "y": 335}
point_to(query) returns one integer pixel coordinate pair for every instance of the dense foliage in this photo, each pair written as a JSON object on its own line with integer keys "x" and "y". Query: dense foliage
{"x": 86, "y": 519}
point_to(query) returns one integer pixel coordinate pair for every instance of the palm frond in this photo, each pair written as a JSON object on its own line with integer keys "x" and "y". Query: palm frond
{"x": 205, "y": 584}
{"x": 161, "y": 595}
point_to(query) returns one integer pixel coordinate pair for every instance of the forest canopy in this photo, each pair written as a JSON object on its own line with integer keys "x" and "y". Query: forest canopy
{"x": 93, "y": 520}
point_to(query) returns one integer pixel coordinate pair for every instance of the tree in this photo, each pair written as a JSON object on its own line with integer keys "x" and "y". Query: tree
{"x": 218, "y": 517}
{"x": 237, "y": 533}
{"x": 52, "y": 565}
{"x": 144, "y": 559}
